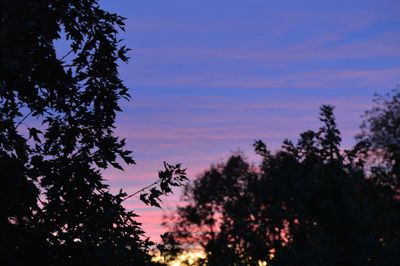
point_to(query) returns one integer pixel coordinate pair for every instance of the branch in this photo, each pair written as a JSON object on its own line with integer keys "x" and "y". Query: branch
{"x": 23, "y": 119}
{"x": 62, "y": 58}
{"x": 143, "y": 189}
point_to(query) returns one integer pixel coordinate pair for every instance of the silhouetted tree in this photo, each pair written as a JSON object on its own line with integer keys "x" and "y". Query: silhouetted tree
{"x": 380, "y": 138}
{"x": 55, "y": 206}
{"x": 202, "y": 220}
{"x": 379, "y": 144}
{"x": 311, "y": 203}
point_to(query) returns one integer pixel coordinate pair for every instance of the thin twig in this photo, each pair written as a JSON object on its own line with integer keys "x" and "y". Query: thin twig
{"x": 143, "y": 189}
{"x": 62, "y": 58}
{"x": 25, "y": 117}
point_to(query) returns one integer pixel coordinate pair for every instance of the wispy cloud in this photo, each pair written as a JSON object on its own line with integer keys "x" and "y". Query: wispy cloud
{"x": 208, "y": 78}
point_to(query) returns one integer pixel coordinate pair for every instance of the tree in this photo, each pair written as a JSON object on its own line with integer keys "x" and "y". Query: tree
{"x": 311, "y": 203}
{"x": 380, "y": 139}
{"x": 56, "y": 208}
{"x": 201, "y": 221}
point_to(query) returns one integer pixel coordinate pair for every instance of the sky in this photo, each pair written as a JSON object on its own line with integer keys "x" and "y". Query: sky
{"x": 208, "y": 77}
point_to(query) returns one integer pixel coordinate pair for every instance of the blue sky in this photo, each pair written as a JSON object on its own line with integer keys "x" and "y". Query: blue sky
{"x": 209, "y": 77}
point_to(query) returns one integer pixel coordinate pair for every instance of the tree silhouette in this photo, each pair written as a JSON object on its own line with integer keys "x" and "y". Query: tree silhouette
{"x": 311, "y": 203}
{"x": 380, "y": 138}
{"x": 55, "y": 207}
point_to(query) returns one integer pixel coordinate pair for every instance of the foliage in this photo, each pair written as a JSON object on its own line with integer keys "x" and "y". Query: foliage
{"x": 311, "y": 203}
{"x": 380, "y": 138}
{"x": 55, "y": 207}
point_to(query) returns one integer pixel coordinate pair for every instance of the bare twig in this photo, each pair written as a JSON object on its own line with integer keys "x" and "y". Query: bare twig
{"x": 23, "y": 119}
{"x": 141, "y": 190}
{"x": 62, "y": 58}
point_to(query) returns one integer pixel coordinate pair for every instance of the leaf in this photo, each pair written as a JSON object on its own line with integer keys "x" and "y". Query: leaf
{"x": 33, "y": 133}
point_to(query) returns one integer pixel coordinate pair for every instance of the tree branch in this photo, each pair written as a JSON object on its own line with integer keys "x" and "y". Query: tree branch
{"x": 67, "y": 54}
{"x": 23, "y": 119}
{"x": 143, "y": 189}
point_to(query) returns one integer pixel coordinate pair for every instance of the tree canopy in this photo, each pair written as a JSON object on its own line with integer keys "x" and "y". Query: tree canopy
{"x": 57, "y": 116}
{"x": 380, "y": 139}
{"x": 310, "y": 203}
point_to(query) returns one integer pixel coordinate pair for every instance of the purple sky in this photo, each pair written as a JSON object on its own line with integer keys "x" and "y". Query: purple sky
{"x": 209, "y": 77}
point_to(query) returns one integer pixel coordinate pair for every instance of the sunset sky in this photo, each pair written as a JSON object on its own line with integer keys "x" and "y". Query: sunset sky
{"x": 208, "y": 77}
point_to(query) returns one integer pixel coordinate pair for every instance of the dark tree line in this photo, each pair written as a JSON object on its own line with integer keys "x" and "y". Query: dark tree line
{"x": 57, "y": 115}
{"x": 310, "y": 203}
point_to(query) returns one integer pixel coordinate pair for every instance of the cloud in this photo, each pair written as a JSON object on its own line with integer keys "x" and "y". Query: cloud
{"x": 326, "y": 79}
{"x": 210, "y": 78}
